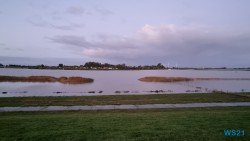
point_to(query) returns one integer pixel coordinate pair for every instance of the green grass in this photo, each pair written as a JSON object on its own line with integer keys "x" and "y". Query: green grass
{"x": 123, "y": 99}
{"x": 189, "y": 124}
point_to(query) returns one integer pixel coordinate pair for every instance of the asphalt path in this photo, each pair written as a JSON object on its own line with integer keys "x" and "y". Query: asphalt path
{"x": 114, "y": 107}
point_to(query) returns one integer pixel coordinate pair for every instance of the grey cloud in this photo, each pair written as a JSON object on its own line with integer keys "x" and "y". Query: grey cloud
{"x": 194, "y": 47}
{"x": 40, "y": 22}
{"x": 89, "y": 13}
{"x": 4, "y": 48}
{"x": 66, "y": 27}
{"x": 103, "y": 11}
{"x": 12, "y": 49}
{"x": 186, "y": 3}
{"x": 20, "y": 49}
{"x": 105, "y": 46}
{"x": 74, "y": 10}
{"x": 37, "y": 20}
{"x": 40, "y": 4}
{"x": 189, "y": 20}
{"x": 62, "y": 27}
{"x": 70, "y": 40}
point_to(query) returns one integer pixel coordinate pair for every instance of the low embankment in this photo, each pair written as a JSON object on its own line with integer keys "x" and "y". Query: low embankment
{"x": 65, "y": 80}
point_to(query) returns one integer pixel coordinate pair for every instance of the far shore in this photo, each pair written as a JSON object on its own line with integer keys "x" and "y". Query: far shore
{"x": 116, "y": 69}
{"x": 64, "y": 80}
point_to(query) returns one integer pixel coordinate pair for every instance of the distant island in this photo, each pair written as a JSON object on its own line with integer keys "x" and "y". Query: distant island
{"x": 64, "y": 80}
{"x": 106, "y": 66}
{"x": 181, "y": 79}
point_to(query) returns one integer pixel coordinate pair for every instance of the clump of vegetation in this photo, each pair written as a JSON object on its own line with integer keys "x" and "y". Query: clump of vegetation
{"x": 64, "y": 80}
{"x": 77, "y": 80}
{"x": 177, "y": 79}
{"x": 164, "y": 79}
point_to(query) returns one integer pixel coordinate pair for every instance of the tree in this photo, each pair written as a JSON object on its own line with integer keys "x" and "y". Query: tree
{"x": 160, "y": 66}
{"x": 60, "y": 65}
{"x": 92, "y": 64}
{"x": 121, "y": 66}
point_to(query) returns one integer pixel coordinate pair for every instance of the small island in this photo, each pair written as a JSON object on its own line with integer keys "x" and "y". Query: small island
{"x": 164, "y": 79}
{"x": 64, "y": 80}
{"x": 180, "y": 79}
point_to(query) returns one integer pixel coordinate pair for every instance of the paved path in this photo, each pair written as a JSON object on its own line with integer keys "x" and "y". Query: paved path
{"x": 113, "y": 107}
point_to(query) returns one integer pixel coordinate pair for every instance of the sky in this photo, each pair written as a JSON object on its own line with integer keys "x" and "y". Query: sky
{"x": 183, "y": 33}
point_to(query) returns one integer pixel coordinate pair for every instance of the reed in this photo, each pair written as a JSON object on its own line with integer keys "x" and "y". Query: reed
{"x": 164, "y": 79}
{"x": 179, "y": 79}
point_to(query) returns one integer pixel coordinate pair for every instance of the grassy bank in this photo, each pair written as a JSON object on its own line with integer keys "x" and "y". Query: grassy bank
{"x": 120, "y": 125}
{"x": 123, "y": 99}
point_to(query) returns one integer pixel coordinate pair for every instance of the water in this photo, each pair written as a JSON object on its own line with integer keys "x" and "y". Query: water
{"x": 122, "y": 82}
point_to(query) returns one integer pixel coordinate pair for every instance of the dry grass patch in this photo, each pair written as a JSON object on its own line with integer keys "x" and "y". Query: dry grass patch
{"x": 164, "y": 79}
{"x": 178, "y": 79}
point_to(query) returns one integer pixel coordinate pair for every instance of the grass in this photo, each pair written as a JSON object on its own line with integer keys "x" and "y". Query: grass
{"x": 192, "y": 124}
{"x": 65, "y": 80}
{"x": 123, "y": 99}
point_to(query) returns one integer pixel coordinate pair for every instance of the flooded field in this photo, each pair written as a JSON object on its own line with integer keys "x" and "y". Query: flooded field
{"x": 123, "y": 82}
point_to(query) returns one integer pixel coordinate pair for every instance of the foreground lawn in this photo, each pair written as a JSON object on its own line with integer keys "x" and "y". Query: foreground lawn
{"x": 190, "y": 124}
{"x": 123, "y": 99}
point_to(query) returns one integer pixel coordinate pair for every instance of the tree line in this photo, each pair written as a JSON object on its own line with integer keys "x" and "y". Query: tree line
{"x": 88, "y": 66}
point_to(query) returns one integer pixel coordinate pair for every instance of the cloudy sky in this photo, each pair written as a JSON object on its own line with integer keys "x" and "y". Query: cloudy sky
{"x": 189, "y": 33}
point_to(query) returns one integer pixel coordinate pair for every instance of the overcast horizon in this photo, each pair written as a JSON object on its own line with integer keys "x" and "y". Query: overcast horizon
{"x": 187, "y": 33}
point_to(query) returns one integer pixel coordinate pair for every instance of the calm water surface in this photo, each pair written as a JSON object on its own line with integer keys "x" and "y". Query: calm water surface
{"x": 122, "y": 82}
